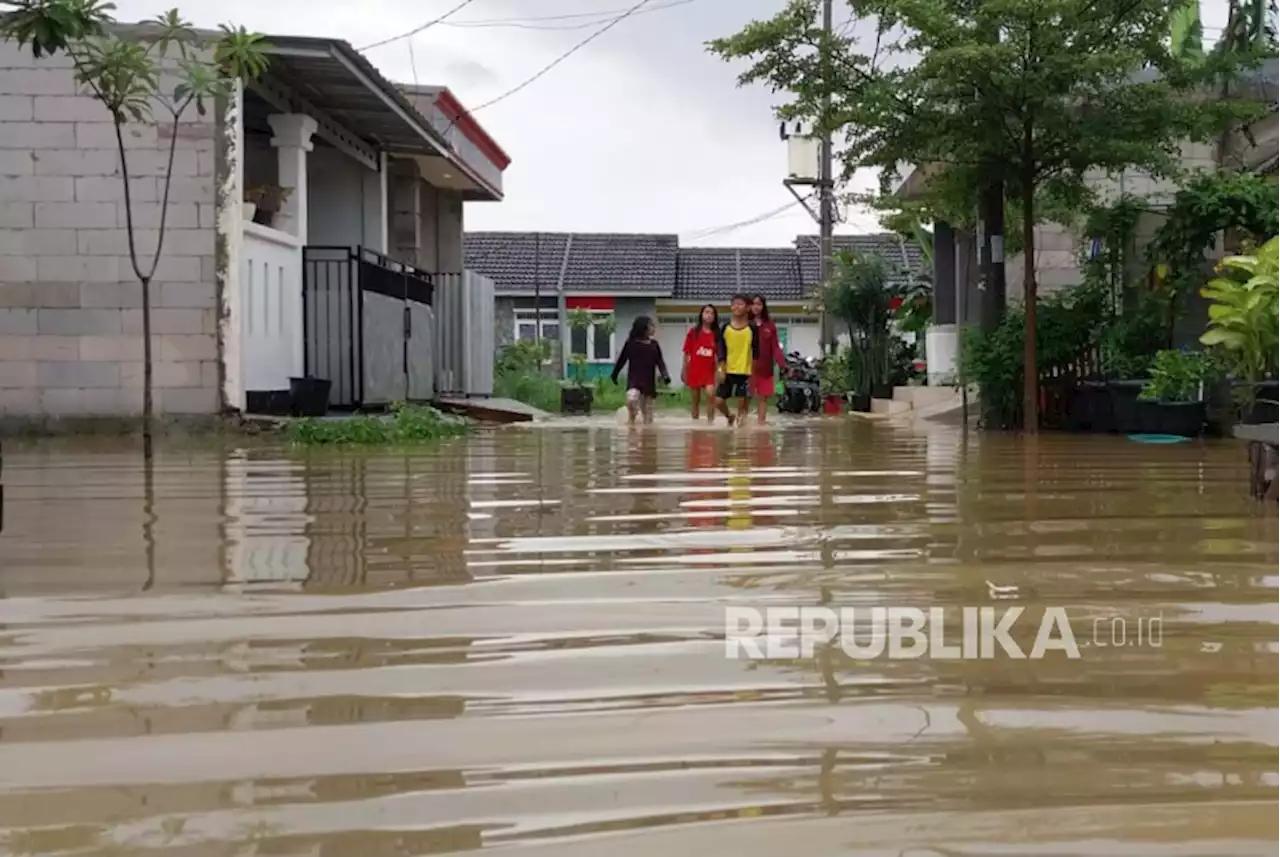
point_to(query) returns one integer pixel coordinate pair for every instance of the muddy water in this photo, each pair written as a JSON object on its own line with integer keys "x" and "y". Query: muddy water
{"x": 516, "y": 642}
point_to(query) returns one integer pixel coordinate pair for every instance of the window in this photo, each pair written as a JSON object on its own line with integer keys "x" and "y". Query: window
{"x": 599, "y": 339}
{"x": 527, "y": 324}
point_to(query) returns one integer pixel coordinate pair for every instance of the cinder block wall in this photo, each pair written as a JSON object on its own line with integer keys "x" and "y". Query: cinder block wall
{"x": 70, "y": 305}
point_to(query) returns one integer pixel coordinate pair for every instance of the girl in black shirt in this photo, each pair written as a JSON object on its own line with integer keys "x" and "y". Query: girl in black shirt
{"x": 643, "y": 356}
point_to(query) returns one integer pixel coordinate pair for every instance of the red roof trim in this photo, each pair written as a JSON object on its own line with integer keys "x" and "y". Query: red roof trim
{"x": 451, "y": 107}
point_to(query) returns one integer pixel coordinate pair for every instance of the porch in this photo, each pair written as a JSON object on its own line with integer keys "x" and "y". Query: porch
{"x": 346, "y": 231}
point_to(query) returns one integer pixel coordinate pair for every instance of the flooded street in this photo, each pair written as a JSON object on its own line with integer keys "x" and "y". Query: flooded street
{"x": 516, "y": 641}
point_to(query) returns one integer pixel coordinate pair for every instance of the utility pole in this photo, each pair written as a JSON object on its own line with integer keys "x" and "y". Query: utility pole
{"x": 826, "y": 205}
{"x": 537, "y": 290}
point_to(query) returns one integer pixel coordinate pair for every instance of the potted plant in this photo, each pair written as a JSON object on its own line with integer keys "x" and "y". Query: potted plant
{"x": 577, "y": 395}
{"x": 262, "y": 204}
{"x": 1244, "y": 313}
{"x": 834, "y": 382}
{"x": 1172, "y": 400}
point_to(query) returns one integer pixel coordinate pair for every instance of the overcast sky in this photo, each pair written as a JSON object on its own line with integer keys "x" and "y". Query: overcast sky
{"x": 640, "y": 131}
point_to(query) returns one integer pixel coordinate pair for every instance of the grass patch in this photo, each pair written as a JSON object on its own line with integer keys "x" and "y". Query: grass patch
{"x": 404, "y": 425}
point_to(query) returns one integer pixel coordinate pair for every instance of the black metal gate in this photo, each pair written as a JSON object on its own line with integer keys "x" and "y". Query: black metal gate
{"x": 340, "y": 343}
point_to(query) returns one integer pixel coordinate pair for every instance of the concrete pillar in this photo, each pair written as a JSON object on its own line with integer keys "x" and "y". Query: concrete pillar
{"x": 944, "y": 273}
{"x": 375, "y": 207}
{"x": 942, "y": 337}
{"x": 292, "y": 141}
{"x": 405, "y": 189}
{"x": 968, "y": 293}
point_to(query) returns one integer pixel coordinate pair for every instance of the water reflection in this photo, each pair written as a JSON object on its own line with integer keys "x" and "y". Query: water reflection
{"x": 516, "y": 639}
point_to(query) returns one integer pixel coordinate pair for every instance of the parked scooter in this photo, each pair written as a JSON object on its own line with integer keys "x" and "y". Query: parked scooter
{"x": 800, "y": 388}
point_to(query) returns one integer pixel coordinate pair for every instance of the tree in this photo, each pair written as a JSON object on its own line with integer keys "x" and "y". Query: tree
{"x": 127, "y": 70}
{"x": 861, "y": 296}
{"x": 1039, "y": 92}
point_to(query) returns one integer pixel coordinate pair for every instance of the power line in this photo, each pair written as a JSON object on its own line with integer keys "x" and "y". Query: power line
{"x": 700, "y": 234}
{"x": 534, "y": 22}
{"x": 464, "y": 4}
{"x": 555, "y": 62}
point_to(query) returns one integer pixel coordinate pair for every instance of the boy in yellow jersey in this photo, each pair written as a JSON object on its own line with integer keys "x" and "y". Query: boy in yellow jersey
{"x": 739, "y": 347}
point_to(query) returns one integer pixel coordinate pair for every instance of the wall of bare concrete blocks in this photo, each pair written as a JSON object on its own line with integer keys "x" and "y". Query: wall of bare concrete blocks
{"x": 1058, "y": 247}
{"x": 70, "y": 305}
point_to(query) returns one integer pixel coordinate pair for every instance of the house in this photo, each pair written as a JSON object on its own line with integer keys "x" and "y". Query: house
{"x": 540, "y": 276}
{"x": 373, "y": 180}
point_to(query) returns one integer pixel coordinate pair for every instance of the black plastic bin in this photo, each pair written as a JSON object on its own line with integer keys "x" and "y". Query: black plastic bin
{"x": 310, "y": 396}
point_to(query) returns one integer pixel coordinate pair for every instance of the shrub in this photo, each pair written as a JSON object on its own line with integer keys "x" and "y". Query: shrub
{"x": 406, "y": 424}
{"x": 1176, "y": 376}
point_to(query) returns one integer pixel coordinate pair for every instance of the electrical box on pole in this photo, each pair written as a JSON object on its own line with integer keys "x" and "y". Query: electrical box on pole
{"x": 804, "y": 153}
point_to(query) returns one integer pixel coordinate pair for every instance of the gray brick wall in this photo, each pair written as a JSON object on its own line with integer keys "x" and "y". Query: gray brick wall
{"x": 70, "y": 317}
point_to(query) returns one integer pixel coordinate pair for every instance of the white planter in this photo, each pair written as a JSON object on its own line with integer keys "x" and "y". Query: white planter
{"x": 249, "y": 208}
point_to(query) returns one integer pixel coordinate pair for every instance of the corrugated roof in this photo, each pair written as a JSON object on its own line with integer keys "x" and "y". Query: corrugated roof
{"x": 597, "y": 262}
{"x": 717, "y": 273}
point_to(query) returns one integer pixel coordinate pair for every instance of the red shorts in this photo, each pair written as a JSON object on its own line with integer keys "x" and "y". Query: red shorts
{"x": 762, "y": 385}
{"x": 701, "y": 373}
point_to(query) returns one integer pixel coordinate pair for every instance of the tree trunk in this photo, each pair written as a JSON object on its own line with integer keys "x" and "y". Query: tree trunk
{"x": 146, "y": 364}
{"x": 1030, "y": 372}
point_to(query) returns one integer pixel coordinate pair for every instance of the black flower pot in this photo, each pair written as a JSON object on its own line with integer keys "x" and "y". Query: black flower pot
{"x": 860, "y": 402}
{"x": 1181, "y": 419}
{"x": 1263, "y": 410}
{"x": 1125, "y": 418}
{"x": 1089, "y": 409}
{"x": 576, "y": 400}
{"x": 310, "y": 396}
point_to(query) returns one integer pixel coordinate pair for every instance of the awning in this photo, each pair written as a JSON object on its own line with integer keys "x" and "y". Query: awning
{"x": 329, "y": 77}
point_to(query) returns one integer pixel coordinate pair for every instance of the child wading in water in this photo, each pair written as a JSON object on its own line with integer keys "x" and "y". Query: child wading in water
{"x": 701, "y": 351}
{"x": 739, "y": 348}
{"x": 768, "y": 355}
{"x": 643, "y": 356}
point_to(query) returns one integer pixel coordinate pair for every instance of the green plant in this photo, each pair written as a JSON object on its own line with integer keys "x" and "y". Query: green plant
{"x": 522, "y": 355}
{"x": 406, "y": 424}
{"x": 268, "y": 197}
{"x": 1236, "y": 202}
{"x": 1244, "y": 312}
{"x": 1066, "y": 326}
{"x": 838, "y": 374}
{"x": 860, "y": 295}
{"x": 1177, "y": 376}
{"x": 128, "y": 76}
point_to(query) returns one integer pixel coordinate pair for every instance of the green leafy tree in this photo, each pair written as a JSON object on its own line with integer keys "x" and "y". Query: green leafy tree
{"x": 161, "y": 64}
{"x": 1038, "y": 92}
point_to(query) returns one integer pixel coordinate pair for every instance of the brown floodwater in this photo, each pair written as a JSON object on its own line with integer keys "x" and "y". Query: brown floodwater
{"x": 516, "y": 641}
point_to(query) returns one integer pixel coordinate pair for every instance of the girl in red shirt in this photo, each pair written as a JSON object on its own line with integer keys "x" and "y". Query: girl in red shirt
{"x": 762, "y": 385}
{"x": 701, "y": 346}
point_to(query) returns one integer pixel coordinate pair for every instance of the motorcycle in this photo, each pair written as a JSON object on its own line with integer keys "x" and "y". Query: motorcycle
{"x": 800, "y": 387}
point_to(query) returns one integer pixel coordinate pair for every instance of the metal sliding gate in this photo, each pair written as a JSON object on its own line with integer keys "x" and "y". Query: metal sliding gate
{"x": 367, "y": 326}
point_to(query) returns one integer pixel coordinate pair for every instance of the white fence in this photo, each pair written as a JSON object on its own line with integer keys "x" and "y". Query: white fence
{"x": 464, "y": 334}
{"x": 271, "y": 326}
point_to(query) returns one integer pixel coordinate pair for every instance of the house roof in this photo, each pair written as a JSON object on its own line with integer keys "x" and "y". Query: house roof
{"x": 902, "y": 257}
{"x": 655, "y": 265}
{"x": 588, "y": 262}
{"x": 717, "y": 273}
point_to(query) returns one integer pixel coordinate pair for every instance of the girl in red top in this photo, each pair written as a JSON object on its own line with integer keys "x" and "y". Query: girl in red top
{"x": 701, "y": 346}
{"x": 762, "y": 386}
